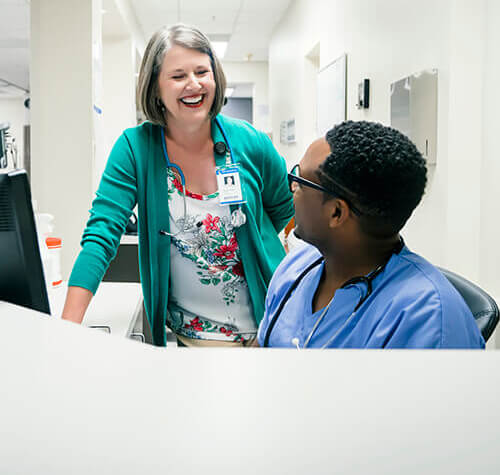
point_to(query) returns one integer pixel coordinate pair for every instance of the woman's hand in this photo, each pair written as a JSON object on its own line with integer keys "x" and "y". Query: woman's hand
{"x": 77, "y": 301}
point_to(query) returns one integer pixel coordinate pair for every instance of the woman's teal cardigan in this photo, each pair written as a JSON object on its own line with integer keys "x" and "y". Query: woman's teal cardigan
{"x": 136, "y": 173}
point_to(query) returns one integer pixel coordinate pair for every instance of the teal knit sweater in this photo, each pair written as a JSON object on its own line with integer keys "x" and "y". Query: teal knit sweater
{"x": 136, "y": 173}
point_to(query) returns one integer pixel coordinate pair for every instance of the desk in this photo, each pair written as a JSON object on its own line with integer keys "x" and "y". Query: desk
{"x": 116, "y": 305}
{"x": 79, "y": 402}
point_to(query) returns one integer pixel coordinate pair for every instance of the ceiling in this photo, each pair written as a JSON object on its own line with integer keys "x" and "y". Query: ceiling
{"x": 248, "y": 23}
{"x": 14, "y": 46}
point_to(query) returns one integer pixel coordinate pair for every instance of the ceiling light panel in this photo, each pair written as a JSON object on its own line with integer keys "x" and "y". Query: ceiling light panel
{"x": 253, "y": 20}
{"x": 220, "y": 48}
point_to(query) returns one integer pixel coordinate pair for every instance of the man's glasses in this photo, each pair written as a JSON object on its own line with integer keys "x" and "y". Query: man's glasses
{"x": 294, "y": 180}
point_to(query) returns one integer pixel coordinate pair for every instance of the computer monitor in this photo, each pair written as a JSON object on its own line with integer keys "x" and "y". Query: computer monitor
{"x": 22, "y": 280}
{"x": 3, "y": 145}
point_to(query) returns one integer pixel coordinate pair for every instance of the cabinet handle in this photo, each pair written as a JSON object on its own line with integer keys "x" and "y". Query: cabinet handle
{"x": 101, "y": 327}
{"x": 139, "y": 336}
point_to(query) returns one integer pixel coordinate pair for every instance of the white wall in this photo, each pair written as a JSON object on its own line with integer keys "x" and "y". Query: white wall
{"x": 291, "y": 83}
{"x": 75, "y": 73}
{"x": 119, "y": 108}
{"x": 12, "y": 110}
{"x": 64, "y": 69}
{"x": 456, "y": 224}
{"x": 489, "y": 256}
{"x": 255, "y": 72}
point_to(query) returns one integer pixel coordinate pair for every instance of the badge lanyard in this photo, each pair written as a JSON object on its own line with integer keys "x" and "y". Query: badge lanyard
{"x": 228, "y": 176}
{"x": 228, "y": 183}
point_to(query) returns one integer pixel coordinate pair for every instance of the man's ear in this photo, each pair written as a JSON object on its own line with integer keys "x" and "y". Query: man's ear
{"x": 339, "y": 213}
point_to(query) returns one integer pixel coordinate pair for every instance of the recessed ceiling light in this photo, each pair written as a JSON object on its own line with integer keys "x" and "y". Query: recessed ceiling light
{"x": 220, "y": 48}
{"x": 219, "y": 44}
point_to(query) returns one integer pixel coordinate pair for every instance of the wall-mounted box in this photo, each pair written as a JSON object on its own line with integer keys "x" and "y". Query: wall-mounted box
{"x": 363, "y": 94}
{"x": 287, "y": 131}
{"x": 414, "y": 110}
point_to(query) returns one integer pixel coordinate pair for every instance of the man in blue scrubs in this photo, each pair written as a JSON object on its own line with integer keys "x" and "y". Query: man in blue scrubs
{"x": 355, "y": 284}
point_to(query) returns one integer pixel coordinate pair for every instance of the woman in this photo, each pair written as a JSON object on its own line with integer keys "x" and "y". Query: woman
{"x": 204, "y": 265}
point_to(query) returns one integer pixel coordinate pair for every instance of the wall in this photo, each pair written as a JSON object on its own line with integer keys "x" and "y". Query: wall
{"x": 12, "y": 110}
{"x": 65, "y": 61}
{"x": 239, "y": 108}
{"x": 386, "y": 40}
{"x": 119, "y": 107}
{"x": 255, "y": 72}
{"x": 292, "y": 87}
{"x": 490, "y": 166}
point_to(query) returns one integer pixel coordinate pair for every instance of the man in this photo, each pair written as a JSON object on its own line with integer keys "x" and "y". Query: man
{"x": 355, "y": 284}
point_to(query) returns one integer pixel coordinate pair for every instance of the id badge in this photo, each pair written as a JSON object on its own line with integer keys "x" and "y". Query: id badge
{"x": 229, "y": 183}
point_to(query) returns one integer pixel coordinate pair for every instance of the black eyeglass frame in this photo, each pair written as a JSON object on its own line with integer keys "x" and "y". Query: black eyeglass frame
{"x": 302, "y": 181}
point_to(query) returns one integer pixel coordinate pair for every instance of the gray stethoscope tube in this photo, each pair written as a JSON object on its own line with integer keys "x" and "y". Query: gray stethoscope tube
{"x": 229, "y": 161}
{"x": 367, "y": 280}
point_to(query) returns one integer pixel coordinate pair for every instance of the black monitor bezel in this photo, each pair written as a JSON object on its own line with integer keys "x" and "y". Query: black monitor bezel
{"x": 34, "y": 295}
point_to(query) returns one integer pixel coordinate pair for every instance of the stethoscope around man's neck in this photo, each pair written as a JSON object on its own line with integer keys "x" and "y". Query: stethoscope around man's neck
{"x": 364, "y": 279}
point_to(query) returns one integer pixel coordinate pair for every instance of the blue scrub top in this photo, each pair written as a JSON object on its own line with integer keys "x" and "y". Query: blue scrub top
{"x": 412, "y": 305}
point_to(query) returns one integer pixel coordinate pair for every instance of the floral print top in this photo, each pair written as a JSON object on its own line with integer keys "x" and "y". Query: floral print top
{"x": 208, "y": 287}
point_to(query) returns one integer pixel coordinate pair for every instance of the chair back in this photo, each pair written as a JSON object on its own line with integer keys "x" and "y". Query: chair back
{"x": 483, "y": 307}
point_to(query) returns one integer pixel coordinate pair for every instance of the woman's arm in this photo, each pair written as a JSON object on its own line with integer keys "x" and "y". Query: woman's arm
{"x": 110, "y": 212}
{"x": 77, "y": 301}
{"x": 276, "y": 196}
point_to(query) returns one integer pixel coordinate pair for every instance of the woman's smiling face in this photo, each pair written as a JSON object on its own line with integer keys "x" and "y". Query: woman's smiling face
{"x": 187, "y": 85}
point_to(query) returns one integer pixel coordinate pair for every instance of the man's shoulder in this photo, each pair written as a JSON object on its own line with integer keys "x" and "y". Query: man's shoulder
{"x": 298, "y": 259}
{"x": 294, "y": 264}
{"x": 420, "y": 283}
{"x": 421, "y": 292}
{"x": 424, "y": 276}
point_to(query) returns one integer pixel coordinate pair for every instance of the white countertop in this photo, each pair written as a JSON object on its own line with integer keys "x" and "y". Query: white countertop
{"x": 115, "y": 304}
{"x": 76, "y": 402}
{"x": 128, "y": 239}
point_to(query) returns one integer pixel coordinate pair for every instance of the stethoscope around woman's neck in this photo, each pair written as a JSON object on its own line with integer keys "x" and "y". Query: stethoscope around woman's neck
{"x": 221, "y": 148}
{"x": 238, "y": 218}
{"x": 364, "y": 279}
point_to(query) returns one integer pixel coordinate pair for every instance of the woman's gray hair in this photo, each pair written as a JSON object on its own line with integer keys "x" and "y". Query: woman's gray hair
{"x": 148, "y": 92}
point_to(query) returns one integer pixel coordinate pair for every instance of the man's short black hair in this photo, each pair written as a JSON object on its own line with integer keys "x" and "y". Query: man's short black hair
{"x": 380, "y": 168}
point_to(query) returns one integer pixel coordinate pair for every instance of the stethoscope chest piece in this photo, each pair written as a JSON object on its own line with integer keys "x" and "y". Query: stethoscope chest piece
{"x": 220, "y": 148}
{"x": 238, "y": 218}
